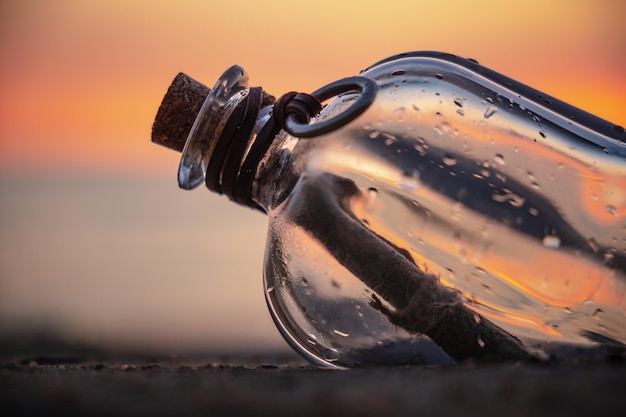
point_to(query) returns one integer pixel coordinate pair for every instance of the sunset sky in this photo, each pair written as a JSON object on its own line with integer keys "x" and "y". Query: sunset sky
{"x": 97, "y": 238}
{"x": 81, "y": 80}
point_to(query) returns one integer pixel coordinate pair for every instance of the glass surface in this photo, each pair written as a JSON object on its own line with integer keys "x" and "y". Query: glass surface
{"x": 519, "y": 209}
{"x": 209, "y": 123}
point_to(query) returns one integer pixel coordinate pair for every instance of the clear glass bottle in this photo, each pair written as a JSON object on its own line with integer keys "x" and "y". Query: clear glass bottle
{"x": 454, "y": 214}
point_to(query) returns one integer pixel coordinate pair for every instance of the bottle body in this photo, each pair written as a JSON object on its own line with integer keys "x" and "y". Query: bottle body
{"x": 516, "y": 209}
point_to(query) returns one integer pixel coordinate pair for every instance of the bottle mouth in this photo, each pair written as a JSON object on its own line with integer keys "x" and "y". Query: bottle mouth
{"x": 208, "y": 126}
{"x": 228, "y": 138}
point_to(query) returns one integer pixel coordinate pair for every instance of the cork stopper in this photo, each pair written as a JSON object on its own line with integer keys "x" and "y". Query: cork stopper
{"x": 177, "y": 112}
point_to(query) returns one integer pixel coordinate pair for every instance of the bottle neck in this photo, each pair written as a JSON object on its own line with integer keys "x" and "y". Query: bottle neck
{"x": 230, "y": 135}
{"x": 237, "y": 125}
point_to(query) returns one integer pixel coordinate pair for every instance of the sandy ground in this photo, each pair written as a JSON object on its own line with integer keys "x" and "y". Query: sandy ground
{"x": 68, "y": 380}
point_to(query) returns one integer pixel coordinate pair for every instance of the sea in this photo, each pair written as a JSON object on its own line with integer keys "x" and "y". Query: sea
{"x": 131, "y": 261}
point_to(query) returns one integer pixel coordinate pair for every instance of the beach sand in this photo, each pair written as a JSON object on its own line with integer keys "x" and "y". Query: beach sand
{"x": 48, "y": 377}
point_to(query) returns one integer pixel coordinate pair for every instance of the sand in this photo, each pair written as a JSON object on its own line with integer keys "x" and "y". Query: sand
{"x": 71, "y": 381}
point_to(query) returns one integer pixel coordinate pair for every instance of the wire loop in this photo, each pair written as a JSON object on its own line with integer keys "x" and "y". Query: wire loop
{"x": 294, "y": 119}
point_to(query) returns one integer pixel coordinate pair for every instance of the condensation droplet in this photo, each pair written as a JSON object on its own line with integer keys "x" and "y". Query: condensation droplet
{"x": 415, "y": 107}
{"x": 460, "y": 112}
{"x": 421, "y": 146}
{"x": 611, "y": 210}
{"x": 499, "y": 159}
{"x": 449, "y": 160}
{"x": 491, "y": 110}
{"x": 551, "y": 241}
{"x": 542, "y": 134}
{"x": 372, "y": 196}
{"x": 331, "y": 355}
{"x": 480, "y": 342}
{"x": 439, "y": 76}
{"x": 410, "y": 181}
{"x": 389, "y": 139}
{"x": 477, "y": 318}
{"x": 458, "y": 102}
{"x": 509, "y": 197}
{"x": 533, "y": 211}
{"x": 340, "y": 333}
{"x": 374, "y": 134}
{"x": 443, "y": 128}
{"x": 593, "y": 244}
{"x": 597, "y": 314}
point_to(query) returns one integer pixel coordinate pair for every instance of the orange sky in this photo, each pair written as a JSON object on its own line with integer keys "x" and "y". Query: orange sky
{"x": 81, "y": 80}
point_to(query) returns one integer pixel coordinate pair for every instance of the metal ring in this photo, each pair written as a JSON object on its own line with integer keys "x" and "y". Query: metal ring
{"x": 366, "y": 88}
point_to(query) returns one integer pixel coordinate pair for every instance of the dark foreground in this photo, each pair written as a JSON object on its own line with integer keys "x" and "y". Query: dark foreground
{"x": 65, "y": 381}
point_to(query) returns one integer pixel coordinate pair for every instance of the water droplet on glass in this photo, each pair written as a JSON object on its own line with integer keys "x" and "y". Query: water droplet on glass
{"x": 331, "y": 355}
{"x": 533, "y": 211}
{"x": 499, "y": 159}
{"x": 611, "y": 210}
{"x": 421, "y": 146}
{"x": 458, "y": 102}
{"x": 372, "y": 196}
{"x": 596, "y": 314}
{"x": 374, "y": 134}
{"x": 340, "y": 333}
{"x": 551, "y": 241}
{"x": 444, "y": 128}
{"x": 477, "y": 318}
{"x": 410, "y": 181}
{"x": 439, "y": 76}
{"x": 491, "y": 110}
{"x": 509, "y": 197}
{"x": 415, "y": 107}
{"x": 389, "y": 139}
{"x": 593, "y": 244}
{"x": 542, "y": 134}
{"x": 460, "y": 112}
{"x": 449, "y": 160}
{"x": 480, "y": 342}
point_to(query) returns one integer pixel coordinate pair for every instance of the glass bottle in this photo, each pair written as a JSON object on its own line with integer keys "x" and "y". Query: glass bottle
{"x": 434, "y": 211}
